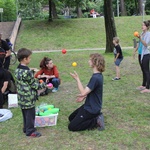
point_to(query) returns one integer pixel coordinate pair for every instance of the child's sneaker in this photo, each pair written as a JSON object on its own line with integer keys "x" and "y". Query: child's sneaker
{"x": 116, "y": 78}
{"x": 35, "y": 134}
{"x": 100, "y": 122}
{"x": 55, "y": 90}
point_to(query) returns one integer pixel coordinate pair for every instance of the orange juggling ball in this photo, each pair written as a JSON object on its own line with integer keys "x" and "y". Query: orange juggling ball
{"x": 136, "y": 34}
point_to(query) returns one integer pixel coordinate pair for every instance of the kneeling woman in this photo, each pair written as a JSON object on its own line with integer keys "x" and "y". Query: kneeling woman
{"x": 49, "y": 73}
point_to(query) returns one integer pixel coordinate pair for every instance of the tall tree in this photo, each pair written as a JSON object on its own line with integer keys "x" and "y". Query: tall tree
{"x": 109, "y": 25}
{"x": 123, "y": 8}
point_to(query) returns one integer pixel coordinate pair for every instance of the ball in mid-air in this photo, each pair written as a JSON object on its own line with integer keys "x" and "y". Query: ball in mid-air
{"x": 74, "y": 64}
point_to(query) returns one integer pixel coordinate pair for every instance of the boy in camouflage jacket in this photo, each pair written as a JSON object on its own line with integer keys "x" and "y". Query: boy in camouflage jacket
{"x": 27, "y": 87}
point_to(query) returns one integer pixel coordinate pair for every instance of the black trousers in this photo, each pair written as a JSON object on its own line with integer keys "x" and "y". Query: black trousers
{"x": 28, "y": 120}
{"x": 7, "y": 63}
{"x": 146, "y": 70}
{"x": 1, "y": 100}
{"x": 81, "y": 119}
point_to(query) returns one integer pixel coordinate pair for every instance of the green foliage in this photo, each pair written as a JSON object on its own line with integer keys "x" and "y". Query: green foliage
{"x": 30, "y": 9}
{"x": 9, "y": 10}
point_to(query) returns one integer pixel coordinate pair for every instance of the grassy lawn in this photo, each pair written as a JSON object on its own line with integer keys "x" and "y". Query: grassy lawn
{"x": 126, "y": 110}
{"x": 74, "y": 33}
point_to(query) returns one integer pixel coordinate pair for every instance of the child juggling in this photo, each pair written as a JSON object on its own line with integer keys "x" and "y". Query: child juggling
{"x": 89, "y": 115}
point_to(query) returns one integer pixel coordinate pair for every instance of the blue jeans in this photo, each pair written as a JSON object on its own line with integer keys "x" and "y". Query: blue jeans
{"x": 55, "y": 82}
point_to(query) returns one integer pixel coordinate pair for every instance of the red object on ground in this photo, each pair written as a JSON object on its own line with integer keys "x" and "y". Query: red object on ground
{"x": 64, "y": 51}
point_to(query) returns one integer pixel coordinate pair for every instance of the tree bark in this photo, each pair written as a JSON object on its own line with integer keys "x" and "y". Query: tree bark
{"x": 110, "y": 28}
{"x": 50, "y": 11}
{"x": 140, "y": 6}
{"x": 123, "y": 8}
{"x": 54, "y": 12}
{"x": 79, "y": 11}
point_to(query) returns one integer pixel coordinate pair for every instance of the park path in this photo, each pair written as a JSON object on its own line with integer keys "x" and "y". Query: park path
{"x": 6, "y": 29}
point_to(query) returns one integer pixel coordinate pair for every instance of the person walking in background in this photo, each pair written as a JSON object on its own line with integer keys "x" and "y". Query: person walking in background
{"x": 49, "y": 73}
{"x": 144, "y": 38}
{"x": 5, "y": 46}
{"x": 118, "y": 57}
{"x": 27, "y": 87}
{"x": 89, "y": 115}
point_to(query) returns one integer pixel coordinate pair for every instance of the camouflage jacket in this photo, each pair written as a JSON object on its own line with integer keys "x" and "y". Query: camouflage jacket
{"x": 27, "y": 87}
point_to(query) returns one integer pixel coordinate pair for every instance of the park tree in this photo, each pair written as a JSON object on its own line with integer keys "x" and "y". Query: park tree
{"x": 110, "y": 28}
{"x": 123, "y": 8}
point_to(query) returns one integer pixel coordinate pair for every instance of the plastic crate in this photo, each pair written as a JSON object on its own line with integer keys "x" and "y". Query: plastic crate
{"x": 42, "y": 121}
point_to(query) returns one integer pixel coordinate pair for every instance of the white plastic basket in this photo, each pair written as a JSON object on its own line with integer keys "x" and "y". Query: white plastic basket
{"x": 42, "y": 121}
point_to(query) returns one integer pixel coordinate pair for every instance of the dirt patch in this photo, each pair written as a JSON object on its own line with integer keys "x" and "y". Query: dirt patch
{"x": 6, "y": 28}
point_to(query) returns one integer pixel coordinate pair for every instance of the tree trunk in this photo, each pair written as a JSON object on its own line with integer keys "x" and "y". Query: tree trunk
{"x": 79, "y": 11}
{"x": 136, "y": 7}
{"x": 109, "y": 25}
{"x": 123, "y": 8}
{"x": 50, "y": 10}
{"x": 54, "y": 12}
{"x": 140, "y": 6}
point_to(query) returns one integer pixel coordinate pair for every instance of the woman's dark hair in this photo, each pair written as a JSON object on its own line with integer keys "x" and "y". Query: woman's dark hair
{"x": 44, "y": 62}
{"x": 23, "y": 53}
{"x": 147, "y": 23}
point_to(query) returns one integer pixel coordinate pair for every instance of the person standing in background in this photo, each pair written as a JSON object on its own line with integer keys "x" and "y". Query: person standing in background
{"x": 144, "y": 38}
{"x": 5, "y": 46}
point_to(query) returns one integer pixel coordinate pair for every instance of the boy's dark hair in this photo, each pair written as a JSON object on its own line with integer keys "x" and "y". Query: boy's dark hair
{"x": 7, "y": 40}
{"x": 23, "y": 53}
{"x": 44, "y": 62}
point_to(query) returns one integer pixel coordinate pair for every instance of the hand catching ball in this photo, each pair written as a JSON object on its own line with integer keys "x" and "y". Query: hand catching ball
{"x": 136, "y": 34}
{"x": 74, "y": 64}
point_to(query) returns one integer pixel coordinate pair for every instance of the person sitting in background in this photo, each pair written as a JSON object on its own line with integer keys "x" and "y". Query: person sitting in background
{"x": 49, "y": 73}
{"x": 92, "y": 11}
{"x": 5, "y": 46}
{"x": 3, "y": 77}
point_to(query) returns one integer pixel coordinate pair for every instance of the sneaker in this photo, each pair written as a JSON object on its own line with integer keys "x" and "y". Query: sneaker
{"x": 140, "y": 88}
{"x": 35, "y": 134}
{"x": 116, "y": 78}
{"x": 55, "y": 90}
{"x": 100, "y": 122}
{"x": 145, "y": 91}
{"x": 24, "y": 130}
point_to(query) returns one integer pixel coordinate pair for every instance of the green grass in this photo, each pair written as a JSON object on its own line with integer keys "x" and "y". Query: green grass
{"x": 126, "y": 110}
{"x": 74, "y": 33}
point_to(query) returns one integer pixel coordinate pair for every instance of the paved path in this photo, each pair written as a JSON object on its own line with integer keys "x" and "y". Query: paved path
{"x": 82, "y": 49}
{"x": 6, "y": 28}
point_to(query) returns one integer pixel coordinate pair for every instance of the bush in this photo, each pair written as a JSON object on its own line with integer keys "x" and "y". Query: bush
{"x": 9, "y": 10}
